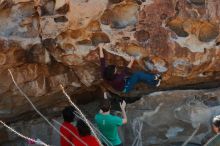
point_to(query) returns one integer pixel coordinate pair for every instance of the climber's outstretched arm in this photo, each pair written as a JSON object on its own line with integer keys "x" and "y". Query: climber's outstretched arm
{"x": 131, "y": 62}
{"x": 101, "y": 51}
{"x": 102, "y": 59}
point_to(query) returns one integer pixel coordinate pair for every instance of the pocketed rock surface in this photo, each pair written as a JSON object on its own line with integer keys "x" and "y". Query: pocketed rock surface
{"x": 46, "y": 43}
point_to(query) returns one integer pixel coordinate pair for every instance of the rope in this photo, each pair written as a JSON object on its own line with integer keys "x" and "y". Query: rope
{"x": 38, "y": 141}
{"x": 211, "y": 140}
{"x": 70, "y": 132}
{"x": 137, "y": 128}
{"x": 137, "y": 125}
{"x": 193, "y": 134}
{"x": 37, "y": 109}
{"x": 80, "y": 112}
{"x": 97, "y": 131}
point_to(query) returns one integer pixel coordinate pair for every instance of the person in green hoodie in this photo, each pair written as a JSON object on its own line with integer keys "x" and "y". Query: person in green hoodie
{"x": 108, "y": 124}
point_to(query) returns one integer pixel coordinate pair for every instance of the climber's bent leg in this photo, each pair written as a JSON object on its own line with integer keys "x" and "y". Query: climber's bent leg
{"x": 139, "y": 76}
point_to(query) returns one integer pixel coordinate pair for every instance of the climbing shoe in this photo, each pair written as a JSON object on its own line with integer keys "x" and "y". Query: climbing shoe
{"x": 158, "y": 77}
{"x": 158, "y": 83}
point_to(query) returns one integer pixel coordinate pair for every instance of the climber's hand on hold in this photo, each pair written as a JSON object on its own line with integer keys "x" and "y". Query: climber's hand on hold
{"x": 101, "y": 45}
{"x": 132, "y": 59}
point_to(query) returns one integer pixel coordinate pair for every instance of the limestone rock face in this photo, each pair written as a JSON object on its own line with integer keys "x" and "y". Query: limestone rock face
{"x": 177, "y": 26}
{"x": 198, "y": 2}
{"x": 156, "y": 120}
{"x": 161, "y": 118}
{"x": 50, "y": 42}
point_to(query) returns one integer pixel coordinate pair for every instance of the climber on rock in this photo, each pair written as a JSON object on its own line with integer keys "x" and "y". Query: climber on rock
{"x": 123, "y": 81}
{"x": 108, "y": 124}
{"x": 215, "y": 141}
{"x": 68, "y": 130}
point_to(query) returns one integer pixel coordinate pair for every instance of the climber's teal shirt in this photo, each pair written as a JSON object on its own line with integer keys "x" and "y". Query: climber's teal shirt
{"x": 108, "y": 126}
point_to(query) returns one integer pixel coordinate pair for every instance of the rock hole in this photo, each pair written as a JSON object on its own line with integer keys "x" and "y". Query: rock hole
{"x": 64, "y": 9}
{"x": 61, "y": 19}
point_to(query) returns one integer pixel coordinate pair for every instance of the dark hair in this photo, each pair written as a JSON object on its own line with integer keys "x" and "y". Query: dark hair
{"x": 83, "y": 128}
{"x": 68, "y": 114}
{"x": 109, "y": 72}
{"x": 105, "y": 105}
{"x": 216, "y": 121}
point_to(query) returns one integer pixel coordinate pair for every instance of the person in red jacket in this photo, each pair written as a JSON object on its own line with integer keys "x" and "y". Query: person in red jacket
{"x": 67, "y": 129}
{"x": 85, "y": 135}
